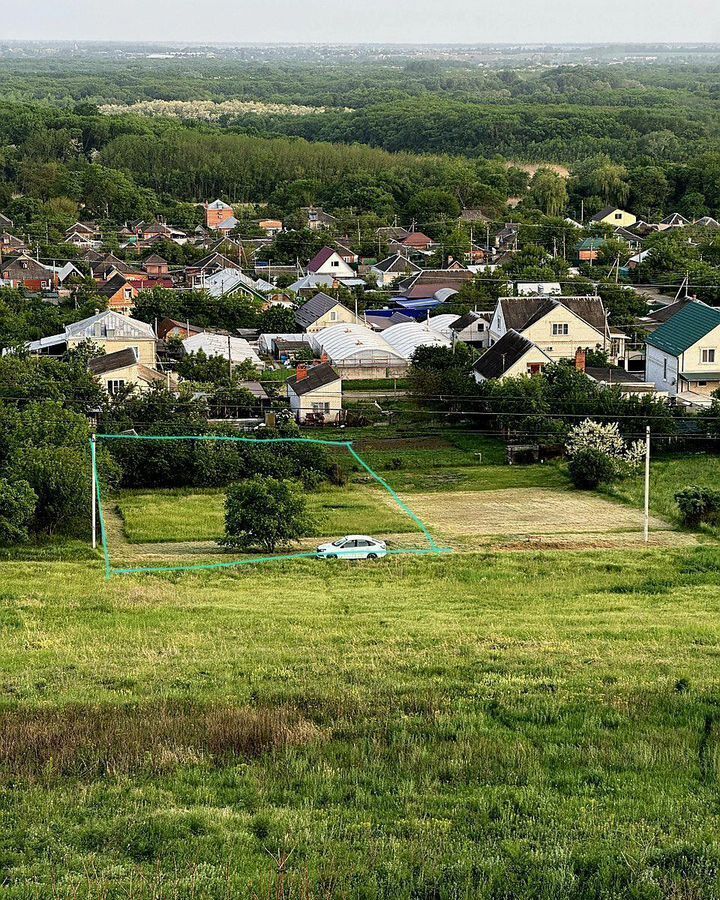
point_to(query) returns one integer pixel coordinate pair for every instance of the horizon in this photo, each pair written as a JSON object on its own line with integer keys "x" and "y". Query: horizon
{"x": 531, "y": 22}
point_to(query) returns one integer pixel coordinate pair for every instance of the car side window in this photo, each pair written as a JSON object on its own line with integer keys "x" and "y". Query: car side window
{"x": 351, "y": 544}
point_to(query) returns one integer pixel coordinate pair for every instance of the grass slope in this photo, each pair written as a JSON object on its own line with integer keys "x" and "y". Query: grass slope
{"x": 505, "y": 726}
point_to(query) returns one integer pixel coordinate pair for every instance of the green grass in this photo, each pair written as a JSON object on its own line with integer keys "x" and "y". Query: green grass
{"x": 192, "y": 515}
{"x": 667, "y": 476}
{"x": 482, "y": 726}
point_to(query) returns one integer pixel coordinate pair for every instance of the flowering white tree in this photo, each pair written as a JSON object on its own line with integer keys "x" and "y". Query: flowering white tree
{"x": 606, "y": 439}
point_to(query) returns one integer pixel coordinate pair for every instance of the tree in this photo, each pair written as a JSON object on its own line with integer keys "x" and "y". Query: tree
{"x": 263, "y": 512}
{"x": 548, "y": 190}
{"x": 17, "y": 506}
{"x": 60, "y": 478}
{"x": 599, "y": 454}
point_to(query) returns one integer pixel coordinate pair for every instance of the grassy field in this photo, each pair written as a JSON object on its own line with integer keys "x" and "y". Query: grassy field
{"x": 667, "y": 476}
{"x": 481, "y": 726}
{"x": 190, "y": 515}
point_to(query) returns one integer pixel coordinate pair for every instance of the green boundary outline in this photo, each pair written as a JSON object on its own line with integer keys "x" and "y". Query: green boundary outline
{"x": 432, "y": 549}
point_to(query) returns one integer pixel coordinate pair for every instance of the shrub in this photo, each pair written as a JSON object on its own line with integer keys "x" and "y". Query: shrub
{"x": 589, "y": 468}
{"x": 60, "y": 477}
{"x": 698, "y": 504}
{"x": 17, "y": 506}
{"x": 265, "y": 513}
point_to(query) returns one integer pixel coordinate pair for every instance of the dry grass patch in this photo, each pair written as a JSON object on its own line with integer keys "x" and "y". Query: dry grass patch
{"x": 91, "y": 741}
{"x": 525, "y": 511}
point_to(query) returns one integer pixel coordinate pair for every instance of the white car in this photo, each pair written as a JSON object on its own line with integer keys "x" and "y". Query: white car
{"x": 353, "y": 546}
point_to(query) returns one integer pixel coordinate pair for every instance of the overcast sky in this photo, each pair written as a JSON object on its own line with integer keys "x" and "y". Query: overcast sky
{"x": 356, "y": 21}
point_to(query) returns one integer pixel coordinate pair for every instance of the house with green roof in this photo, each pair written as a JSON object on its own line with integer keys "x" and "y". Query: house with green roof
{"x": 682, "y": 357}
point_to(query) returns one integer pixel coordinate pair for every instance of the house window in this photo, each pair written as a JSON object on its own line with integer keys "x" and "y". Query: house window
{"x": 333, "y": 316}
{"x": 618, "y": 215}
{"x": 560, "y": 328}
{"x": 321, "y": 407}
{"x": 115, "y": 386}
{"x": 708, "y": 356}
{"x": 335, "y": 262}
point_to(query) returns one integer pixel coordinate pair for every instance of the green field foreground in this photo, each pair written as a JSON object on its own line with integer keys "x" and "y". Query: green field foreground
{"x": 502, "y": 726}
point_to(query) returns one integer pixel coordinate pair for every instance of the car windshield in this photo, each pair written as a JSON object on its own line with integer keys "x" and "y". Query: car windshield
{"x": 339, "y": 542}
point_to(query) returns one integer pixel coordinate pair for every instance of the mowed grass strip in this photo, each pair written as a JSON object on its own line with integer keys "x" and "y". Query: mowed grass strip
{"x": 498, "y": 726}
{"x": 190, "y": 515}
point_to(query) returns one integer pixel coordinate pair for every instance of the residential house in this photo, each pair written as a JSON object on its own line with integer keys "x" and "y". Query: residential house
{"x": 704, "y": 222}
{"x": 511, "y": 356}
{"x": 5, "y": 222}
{"x": 347, "y": 255}
{"x": 120, "y": 294}
{"x": 682, "y": 357}
{"x": 109, "y": 329}
{"x": 674, "y": 220}
{"x": 156, "y": 265}
{"x": 653, "y": 320}
{"x": 329, "y": 262}
{"x": 538, "y": 288}
{"x": 558, "y": 325}
{"x": 208, "y": 265}
{"x": 271, "y": 227}
{"x": 24, "y": 271}
{"x": 230, "y": 281}
{"x": 122, "y": 369}
{"x": 9, "y": 244}
{"x": 323, "y": 311}
{"x": 612, "y": 215}
{"x": 633, "y": 241}
{"x": 216, "y": 213}
{"x": 172, "y": 328}
{"x": 392, "y": 234}
{"x": 415, "y": 242}
{"x": 315, "y": 393}
{"x": 110, "y": 265}
{"x": 630, "y": 384}
{"x": 317, "y": 219}
{"x": 427, "y": 284}
{"x": 387, "y": 271}
{"x": 588, "y": 250}
{"x": 507, "y": 238}
{"x": 473, "y": 328}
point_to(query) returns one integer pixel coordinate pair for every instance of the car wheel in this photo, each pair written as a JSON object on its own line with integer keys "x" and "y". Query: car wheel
{"x": 372, "y": 556}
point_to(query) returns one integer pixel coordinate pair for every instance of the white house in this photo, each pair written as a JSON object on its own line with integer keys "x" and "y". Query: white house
{"x": 329, "y": 262}
{"x": 682, "y": 357}
{"x": 558, "y": 325}
{"x": 315, "y": 391}
{"x": 511, "y": 356}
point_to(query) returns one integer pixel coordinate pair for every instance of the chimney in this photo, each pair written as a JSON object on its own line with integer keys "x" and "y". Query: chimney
{"x": 324, "y": 358}
{"x": 301, "y": 372}
{"x": 580, "y": 357}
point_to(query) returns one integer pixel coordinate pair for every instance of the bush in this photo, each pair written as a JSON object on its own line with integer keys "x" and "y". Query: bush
{"x": 60, "y": 477}
{"x": 589, "y": 468}
{"x": 265, "y": 513}
{"x": 697, "y": 505}
{"x": 17, "y": 506}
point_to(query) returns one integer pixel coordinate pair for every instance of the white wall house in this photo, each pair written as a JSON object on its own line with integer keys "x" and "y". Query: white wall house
{"x": 682, "y": 357}
{"x": 329, "y": 262}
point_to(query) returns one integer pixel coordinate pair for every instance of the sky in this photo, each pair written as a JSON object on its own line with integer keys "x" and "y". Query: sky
{"x": 361, "y": 21}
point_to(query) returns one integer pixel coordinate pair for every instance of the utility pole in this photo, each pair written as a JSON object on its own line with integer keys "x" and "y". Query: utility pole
{"x": 647, "y": 484}
{"x": 94, "y": 491}
{"x": 229, "y": 359}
